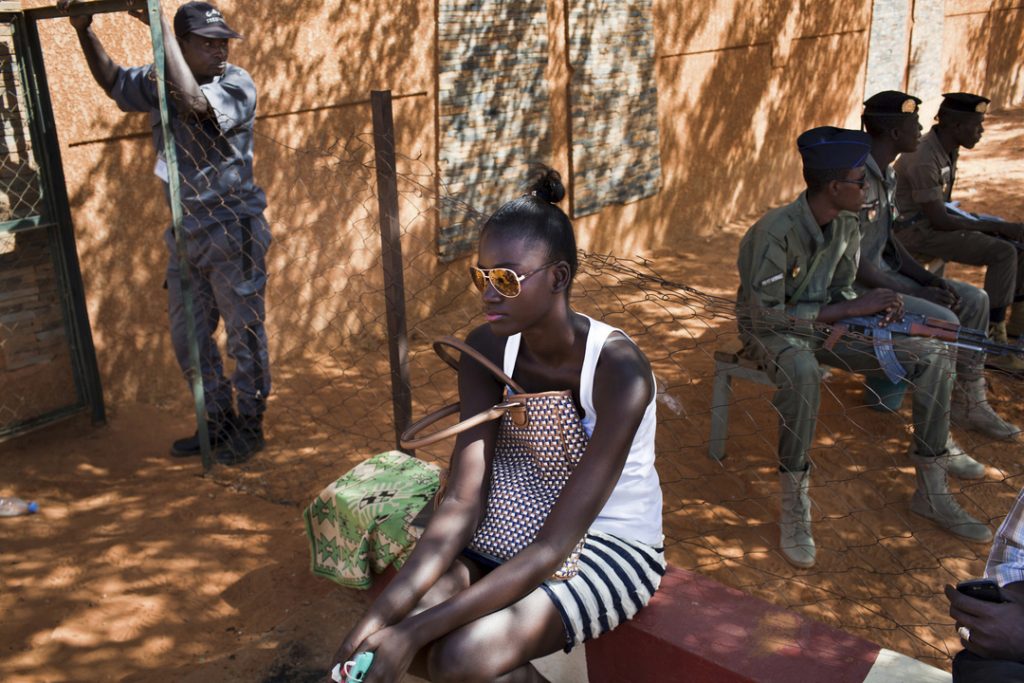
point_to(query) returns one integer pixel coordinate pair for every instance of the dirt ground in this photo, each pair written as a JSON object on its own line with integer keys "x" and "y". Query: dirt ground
{"x": 138, "y": 568}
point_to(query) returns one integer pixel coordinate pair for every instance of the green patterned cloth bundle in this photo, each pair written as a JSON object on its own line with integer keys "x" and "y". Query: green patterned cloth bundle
{"x": 361, "y": 522}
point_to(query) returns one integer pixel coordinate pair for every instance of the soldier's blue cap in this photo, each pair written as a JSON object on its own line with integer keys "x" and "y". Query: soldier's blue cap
{"x": 890, "y": 103}
{"x": 829, "y": 147}
{"x": 964, "y": 101}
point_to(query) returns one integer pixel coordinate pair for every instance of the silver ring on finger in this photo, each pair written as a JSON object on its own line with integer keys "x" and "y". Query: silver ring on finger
{"x": 964, "y": 633}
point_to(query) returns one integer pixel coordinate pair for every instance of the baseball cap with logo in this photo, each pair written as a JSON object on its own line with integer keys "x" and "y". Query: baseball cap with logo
{"x": 203, "y": 19}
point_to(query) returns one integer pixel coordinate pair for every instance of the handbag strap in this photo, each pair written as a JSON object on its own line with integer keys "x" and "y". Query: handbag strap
{"x": 409, "y": 439}
{"x": 480, "y": 358}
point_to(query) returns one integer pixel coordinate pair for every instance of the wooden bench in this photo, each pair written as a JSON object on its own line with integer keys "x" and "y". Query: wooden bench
{"x": 696, "y": 629}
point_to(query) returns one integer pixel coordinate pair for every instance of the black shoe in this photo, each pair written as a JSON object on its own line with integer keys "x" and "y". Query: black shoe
{"x": 219, "y": 431}
{"x": 246, "y": 439}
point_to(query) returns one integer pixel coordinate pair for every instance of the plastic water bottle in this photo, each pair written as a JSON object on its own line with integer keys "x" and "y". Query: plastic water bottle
{"x": 12, "y": 507}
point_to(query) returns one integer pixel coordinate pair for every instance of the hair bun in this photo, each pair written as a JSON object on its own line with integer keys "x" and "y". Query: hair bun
{"x": 548, "y": 186}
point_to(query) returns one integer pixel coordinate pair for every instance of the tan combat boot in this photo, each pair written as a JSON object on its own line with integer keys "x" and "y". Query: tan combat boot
{"x": 795, "y": 522}
{"x": 933, "y": 500}
{"x": 997, "y": 332}
{"x": 1015, "y": 328}
{"x": 970, "y": 409}
{"x": 962, "y": 465}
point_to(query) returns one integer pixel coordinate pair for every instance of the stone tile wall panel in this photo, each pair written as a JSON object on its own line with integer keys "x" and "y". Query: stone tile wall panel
{"x": 614, "y": 103}
{"x": 493, "y": 109}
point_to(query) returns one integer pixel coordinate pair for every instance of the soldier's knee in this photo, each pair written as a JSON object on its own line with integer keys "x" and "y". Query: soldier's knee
{"x": 1001, "y": 251}
{"x": 973, "y": 299}
{"x": 935, "y": 353}
{"x": 798, "y": 368}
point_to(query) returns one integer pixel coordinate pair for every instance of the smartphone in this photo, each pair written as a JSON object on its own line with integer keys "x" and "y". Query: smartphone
{"x": 360, "y": 665}
{"x": 981, "y": 589}
{"x": 354, "y": 670}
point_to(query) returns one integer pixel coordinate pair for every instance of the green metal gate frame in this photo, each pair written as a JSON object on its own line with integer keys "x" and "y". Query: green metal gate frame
{"x": 55, "y": 218}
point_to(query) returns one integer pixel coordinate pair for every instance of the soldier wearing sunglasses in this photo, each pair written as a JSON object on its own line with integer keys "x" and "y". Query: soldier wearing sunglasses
{"x": 797, "y": 267}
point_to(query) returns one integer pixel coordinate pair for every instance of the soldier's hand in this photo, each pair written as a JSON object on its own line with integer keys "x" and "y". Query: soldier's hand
{"x": 883, "y": 301}
{"x": 942, "y": 295}
{"x": 79, "y": 22}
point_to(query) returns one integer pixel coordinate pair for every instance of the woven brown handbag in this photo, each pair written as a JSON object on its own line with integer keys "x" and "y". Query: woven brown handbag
{"x": 540, "y": 442}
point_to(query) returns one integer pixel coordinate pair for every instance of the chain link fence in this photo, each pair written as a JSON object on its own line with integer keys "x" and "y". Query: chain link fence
{"x": 880, "y": 569}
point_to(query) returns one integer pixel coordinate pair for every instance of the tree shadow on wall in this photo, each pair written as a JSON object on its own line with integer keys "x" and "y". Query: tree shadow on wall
{"x": 736, "y": 86}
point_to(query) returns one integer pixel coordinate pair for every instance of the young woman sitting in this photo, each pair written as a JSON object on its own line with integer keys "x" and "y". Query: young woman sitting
{"x": 455, "y": 614}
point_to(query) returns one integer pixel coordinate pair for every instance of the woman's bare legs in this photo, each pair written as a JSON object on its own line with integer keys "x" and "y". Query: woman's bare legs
{"x": 500, "y": 646}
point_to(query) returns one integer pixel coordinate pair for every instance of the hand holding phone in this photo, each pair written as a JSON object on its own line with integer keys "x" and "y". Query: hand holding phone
{"x": 354, "y": 670}
{"x": 981, "y": 589}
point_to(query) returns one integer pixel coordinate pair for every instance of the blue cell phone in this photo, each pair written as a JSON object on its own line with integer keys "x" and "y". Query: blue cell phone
{"x": 360, "y": 665}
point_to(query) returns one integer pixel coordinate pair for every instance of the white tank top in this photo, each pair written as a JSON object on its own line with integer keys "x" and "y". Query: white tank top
{"x": 633, "y": 511}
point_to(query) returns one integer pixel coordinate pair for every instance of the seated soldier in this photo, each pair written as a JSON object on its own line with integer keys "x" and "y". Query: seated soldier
{"x": 891, "y": 119}
{"x": 797, "y": 266}
{"x": 924, "y": 184}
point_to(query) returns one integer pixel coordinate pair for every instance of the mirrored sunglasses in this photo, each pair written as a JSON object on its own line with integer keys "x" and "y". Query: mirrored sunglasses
{"x": 505, "y": 281}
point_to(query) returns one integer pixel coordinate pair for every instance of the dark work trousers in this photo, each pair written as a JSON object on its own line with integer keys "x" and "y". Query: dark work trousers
{"x": 228, "y": 273}
{"x": 970, "y": 668}
{"x": 1004, "y": 265}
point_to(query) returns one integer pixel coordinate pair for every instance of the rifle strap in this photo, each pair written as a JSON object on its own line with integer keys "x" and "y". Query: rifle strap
{"x": 837, "y": 331}
{"x": 815, "y": 262}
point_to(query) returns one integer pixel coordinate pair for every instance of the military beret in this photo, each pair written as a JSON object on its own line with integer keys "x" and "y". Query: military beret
{"x": 890, "y": 103}
{"x": 829, "y": 147}
{"x": 964, "y": 101}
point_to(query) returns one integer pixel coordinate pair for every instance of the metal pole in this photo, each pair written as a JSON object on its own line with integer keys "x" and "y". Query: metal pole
{"x": 391, "y": 256}
{"x": 174, "y": 187}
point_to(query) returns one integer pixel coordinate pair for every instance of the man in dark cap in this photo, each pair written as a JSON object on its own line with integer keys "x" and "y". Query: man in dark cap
{"x": 797, "y": 267}
{"x": 891, "y": 119}
{"x": 212, "y": 108}
{"x": 927, "y": 226}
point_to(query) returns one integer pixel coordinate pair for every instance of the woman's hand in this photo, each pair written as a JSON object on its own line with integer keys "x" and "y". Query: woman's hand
{"x": 364, "y": 628}
{"x": 393, "y": 649}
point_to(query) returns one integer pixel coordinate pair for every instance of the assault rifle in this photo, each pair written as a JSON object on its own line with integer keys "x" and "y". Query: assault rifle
{"x": 914, "y": 325}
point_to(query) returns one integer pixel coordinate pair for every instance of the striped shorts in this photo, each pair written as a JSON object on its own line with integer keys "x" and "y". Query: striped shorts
{"x": 616, "y": 578}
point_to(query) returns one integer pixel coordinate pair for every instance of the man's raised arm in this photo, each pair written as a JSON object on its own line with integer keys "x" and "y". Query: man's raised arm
{"x": 103, "y": 68}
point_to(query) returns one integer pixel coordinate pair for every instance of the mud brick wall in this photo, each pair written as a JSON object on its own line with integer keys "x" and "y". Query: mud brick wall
{"x": 614, "y": 101}
{"x": 35, "y": 365}
{"x": 493, "y": 109}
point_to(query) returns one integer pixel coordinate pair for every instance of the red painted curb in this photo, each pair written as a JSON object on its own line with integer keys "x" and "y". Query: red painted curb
{"x": 696, "y": 629}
